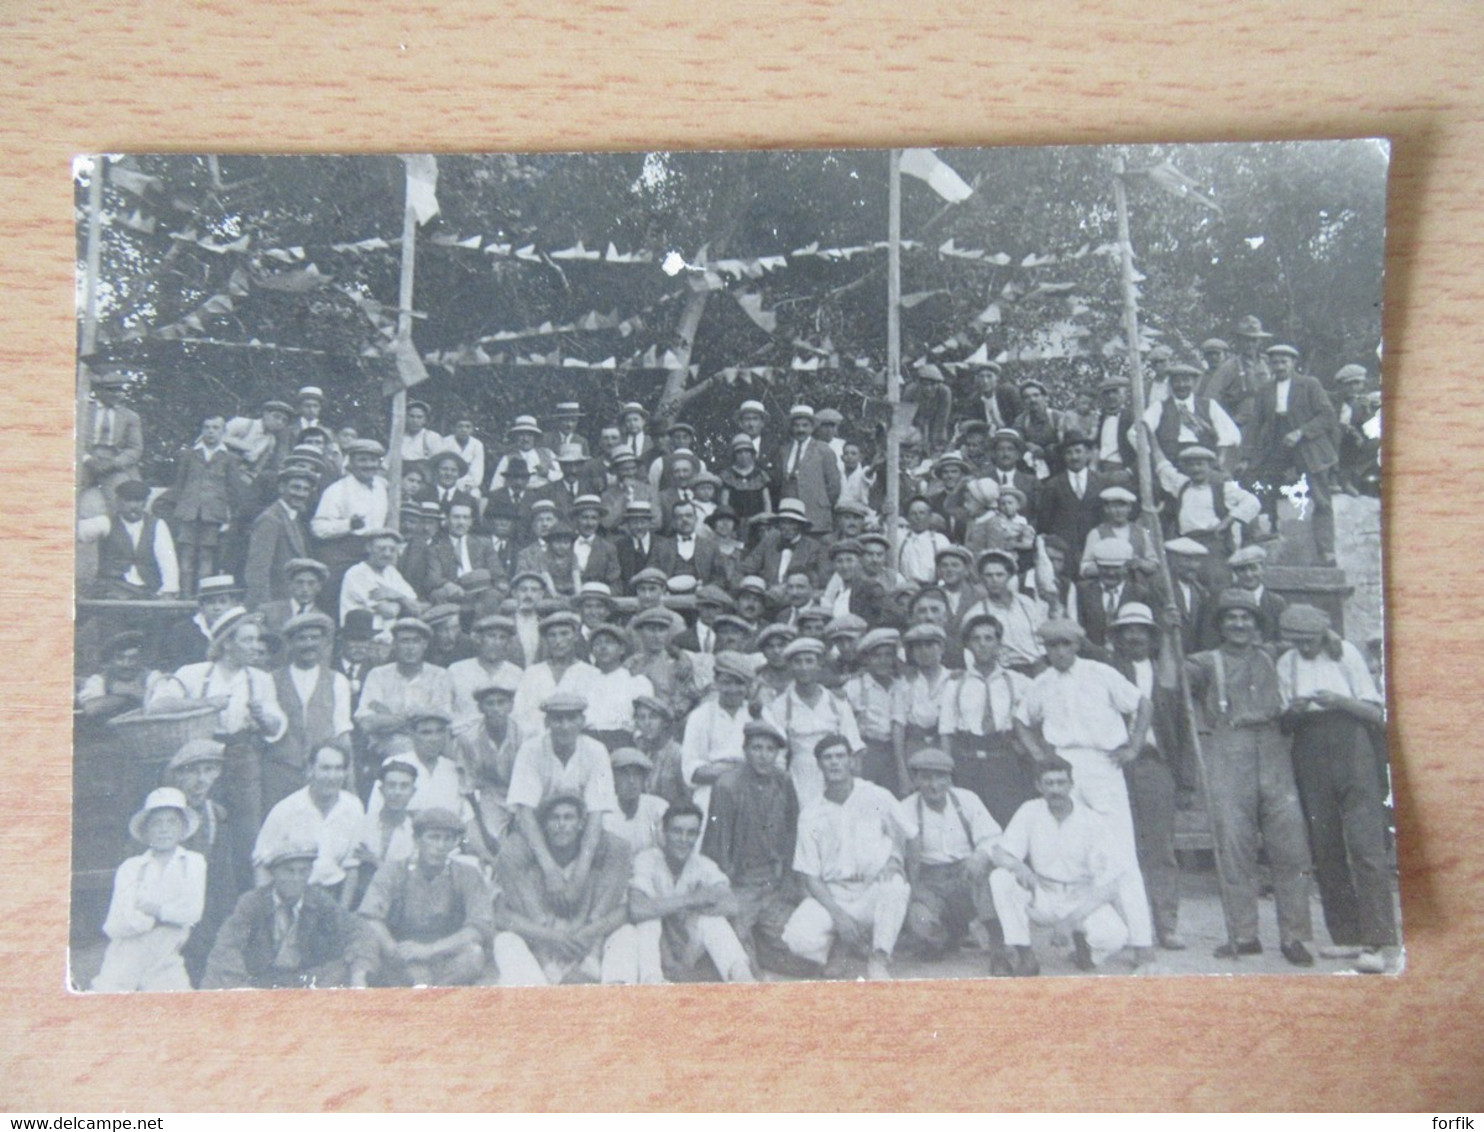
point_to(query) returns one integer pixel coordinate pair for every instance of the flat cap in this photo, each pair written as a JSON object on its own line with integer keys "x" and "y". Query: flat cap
{"x": 847, "y": 546}
{"x": 313, "y": 619}
{"x": 879, "y": 638}
{"x": 736, "y": 664}
{"x": 1215, "y": 344}
{"x": 1116, "y": 494}
{"x": 502, "y": 681}
{"x": 412, "y": 625}
{"x": 802, "y": 646}
{"x": 761, "y": 728}
{"x": 436, "y": 818}
{"x": 365, "y": 446}
{"x": 924, "y": 633}
{"x": 962, "y": 553}
{"x": 1186, "y": 546}
{"x": 847, "y": 624}
{"x": 561, "y": 617}
{"x": 657, "y": 616}
{"x": 630, "y": 756}
{"x": 564, "y": 703}
{"x": 1233, "y": 598}
{"x": 656, "y": 705}
{"x": 197, "y": 751}
{"x": 1283, "y": 349}
{"x": 1197, "y": 452}
{"x": 829, "y": 416}
{"x": 1302, "y": 618}
{"x": 1112, "y": 552}
{"x": 297, "y": 566}
{"x": 1348, "y": 373}
{"x": 1248, "y": 555}
{"x": 651, "y": 574}
{"x": 1003, "y": 557}
{"x": 714, "y": 595}
{"x": 931, "y": 758}
{"x": 290, "y": 849}
{"x": 1061, "y": 630}
{"x": 775, "y": 630}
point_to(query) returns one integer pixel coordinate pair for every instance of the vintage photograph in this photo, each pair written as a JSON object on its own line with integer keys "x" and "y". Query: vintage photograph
{"x": 634, "y": 568}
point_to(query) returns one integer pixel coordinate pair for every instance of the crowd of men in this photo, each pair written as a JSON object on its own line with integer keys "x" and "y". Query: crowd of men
{"x": 592, "y": 710}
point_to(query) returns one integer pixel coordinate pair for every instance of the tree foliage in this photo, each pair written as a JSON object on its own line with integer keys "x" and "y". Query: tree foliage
{"x": 1297, "y": 242}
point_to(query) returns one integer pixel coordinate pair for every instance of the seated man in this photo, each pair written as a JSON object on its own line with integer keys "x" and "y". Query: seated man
{"x": 1059, "y": 864}
{"x": 949, "y": 837}
{"x": 429, "y": 919}
{"x": 557, "y": 926}
{"x": 285, "y": 933}
{"x": 639, "y": 815}
{"x": 323, "y": 812}
{"x": 680, "y": 901}
{"x": 849, "y": 858}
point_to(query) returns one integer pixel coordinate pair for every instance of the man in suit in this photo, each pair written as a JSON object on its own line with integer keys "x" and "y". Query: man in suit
{"x": 577, "y": 480}
{"x": 449, "y": 472}
{"x": 305, "y": 582}
{"x": 1247, "y": 574}
{"x": 1294, "y": 434}
{"x": 115, "y": 436}
{"x": 1007, "y": 457}
{"x": 690, "y": 548}
{"x": 1192, "y": 600}
{"x": 279, "y": 535}
{"x": 515, "y": 497}
{"x": 285, "y": 933}
{"x": 596, "y": 556}
{"x": 997, "y": 402}
{"x": 458, "y": 551}
{"x": 786, "y": 548}
{"x": 850, "y": 590}
{"x": 637, "y": 440}
{"x": 565, "y": 434}
{"x": 627, "y": 487}
{"x": 636, "y": 545}
{"x": 1068, "y": 505}
{"x": 808, "y": 472}
{"x": 681, "y": 471}
{"x": 1099, "y": 600}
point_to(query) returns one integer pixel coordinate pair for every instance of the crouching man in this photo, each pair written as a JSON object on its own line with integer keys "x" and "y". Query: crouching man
{"x": 285, "y": 933}
{"x": 1059, "y": 865}
{"x": 950, "y": 834}
{"x": 558, "y": 924}
{"x": 679, "y": 901}
{"x": 849, "y": 858}
{"x": 428, "y": 919}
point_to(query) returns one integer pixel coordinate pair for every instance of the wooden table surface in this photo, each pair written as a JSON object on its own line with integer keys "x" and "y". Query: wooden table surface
{"x": 305, "y": 77}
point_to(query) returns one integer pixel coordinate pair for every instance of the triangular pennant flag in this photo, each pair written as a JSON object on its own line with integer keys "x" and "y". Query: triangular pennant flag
{"x": 979, "y": 357}
{"x": 133, "y": 181}
{"x": 752, "y": 303}
{"x": 422, "y": 188}
{"x": 1177, "y": 184}
{"x": 927, "y": 166}
{"x": 650, "y": 359}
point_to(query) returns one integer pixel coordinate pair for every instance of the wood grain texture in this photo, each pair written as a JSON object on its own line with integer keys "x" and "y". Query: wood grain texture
{"x": 522, "y": 74}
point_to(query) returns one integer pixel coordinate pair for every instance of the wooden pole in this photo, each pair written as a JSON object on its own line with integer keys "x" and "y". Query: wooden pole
{"x": 1172, "y": 640}
{"x": 94, "y": 264}
{"x": 893, "y": 349}
{"x": 404, "y": 340}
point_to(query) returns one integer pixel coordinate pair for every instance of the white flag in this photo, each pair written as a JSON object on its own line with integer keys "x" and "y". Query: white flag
{"x": 927, "y": 166}
{"x": 422, "y": 185}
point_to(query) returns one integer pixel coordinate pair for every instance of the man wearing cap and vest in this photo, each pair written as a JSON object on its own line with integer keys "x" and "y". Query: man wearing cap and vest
{"x": 136, "y": 554}
{"x": 1293, "y": 435}
{"x": 429, "y": 920}
{"x": 285, "y": 933}
{"x": 1113, "y": 446}
{"x": 807, "y": 471}
{"x": 352, "y": 505}
{"x": 1208, "y": 508}
{"x": 806, "y": 711}
{"x": 1185, "y": 418}
{"x": 1333, "y": 708}
{"x": 278, "y": 535}
{"x": 316, "y": 700}
{"x": 1254, "y": 799}
{"x": 949, "y": 834}
{"x": 1086, "y": 713}
{"x": 849, "y": 858}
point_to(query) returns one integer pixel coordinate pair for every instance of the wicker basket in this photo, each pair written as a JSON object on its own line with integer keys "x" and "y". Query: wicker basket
{"x": 153, "y": 737}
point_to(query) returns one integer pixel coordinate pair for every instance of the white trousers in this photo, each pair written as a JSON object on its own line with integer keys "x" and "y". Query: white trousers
{"x": 1098, "y": 783}
{"x": 148, "y": 962}
{"x": 616, "y": 960}
{"x": 882, "y": 904}
{"x": 1018, "y": 908}
{"x": 715, "y": 935}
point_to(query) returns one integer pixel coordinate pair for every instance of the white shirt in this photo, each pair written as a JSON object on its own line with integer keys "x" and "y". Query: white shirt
{"x": 336, "y": 834}
{"x": 1299, "y": 678}
{"x": 805, "y": 726}
{"x": 242, "y": 688}
{"x": 942, "y": 831}
{"x": 1108, "y": 450}
{"x": 387, "y": 849}
{"x": 652, "y": 875}
{"x": 468, "y": 676}
{"x": 850, "y": 842}
{"x": 1281, "y": 389}
{"x": 1228, "y": 435}
{"x": 685, "y": 547}
{"x": 421, "y": 445}
{"x": 441, "y": 786}
{"x": 712, "y": 734}
{"x": 473, "y": 454}
{"x": 1019, "y": 619}
{"x": 1074, "y": 851}
{"x": 346, "y": 498}
{"x": 1197, "y": 505}
{"x": 177, "y": 884}
{"x": 359, "y": 588}
{"x": 918, "y": 559}
{"x": 611, "y": 696}
{"x": 582, "y": 548}
{"x": 387, "y": 690}
{"x": 1078, "y": 480}
{"x": 982, "y": 703}
{"x": 642, "y": 831}
{"x": 1083, "y": 707}
{"x": 538, "y": 682}
{"x": 538, "y": 775}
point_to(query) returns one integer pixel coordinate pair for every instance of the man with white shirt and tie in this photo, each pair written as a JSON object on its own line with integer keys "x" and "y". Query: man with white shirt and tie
{"x": 459, "y": 551}
{"x": 1068, "y": 503}
{"x": 277, "y": 536}
{"x": 808, "y": 470}
{"x": 449, "y": 472}
{"x": 689, "y": 549}
{"x": 470, "y": 449}
{"x": 634, "y": 420}
{"x": 1184, "y": 419}
{"x": 636, "y": 545}
{"x": 136, "y": 555}
{"x": 597, "y": 558}
{"x": 1007, "y": 457}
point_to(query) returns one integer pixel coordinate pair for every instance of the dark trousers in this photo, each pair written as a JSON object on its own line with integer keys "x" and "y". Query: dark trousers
{"x": 241, "y": 792}
{"x": 945, "y": 901}
{"x": 763, "y": 911}
{"x": 995, "y": 769}
{"x": 1335, "y": 768}
{"x": 879, "y": 764}
{"x": 1151, "y": 799}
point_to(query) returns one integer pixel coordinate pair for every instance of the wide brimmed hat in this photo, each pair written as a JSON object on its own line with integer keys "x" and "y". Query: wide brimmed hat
{"x": 163, "y": 798}
{"x": 1250, "y": 327}
{"x": 524, "y": 424}
{"x": 1133, "y": 613}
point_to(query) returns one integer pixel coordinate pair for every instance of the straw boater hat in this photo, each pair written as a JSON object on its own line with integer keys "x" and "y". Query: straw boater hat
{"x": 163, "y": 798}
{"x": 1133, "y": 613}
{"x": 524, "y": 424}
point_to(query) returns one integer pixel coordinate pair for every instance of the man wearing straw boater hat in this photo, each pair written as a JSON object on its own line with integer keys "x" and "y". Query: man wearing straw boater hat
{"x": 158, "y": 897}
{"x": 351, "y": 506}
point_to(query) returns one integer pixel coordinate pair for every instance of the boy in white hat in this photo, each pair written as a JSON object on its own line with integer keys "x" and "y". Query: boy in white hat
{"x": 158, "y": 897}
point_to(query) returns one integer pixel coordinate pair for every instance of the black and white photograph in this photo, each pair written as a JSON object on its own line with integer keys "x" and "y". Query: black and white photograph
{"x": 756, "y": 566}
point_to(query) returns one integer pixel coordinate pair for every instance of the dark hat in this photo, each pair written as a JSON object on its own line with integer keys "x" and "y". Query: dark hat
{"x": 1072, "y": 438}
{"x": 1249, "y": 327}
{"x": 132, "y": 491}
{"x": 359, "y": 625}
{"x": 122, "y": 642}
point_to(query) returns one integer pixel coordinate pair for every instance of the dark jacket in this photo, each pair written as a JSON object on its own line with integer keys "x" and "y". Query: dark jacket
{"x": 243, "y": 954}
{"x": 274, "y": 539}
{"x": 1310, "y": 411}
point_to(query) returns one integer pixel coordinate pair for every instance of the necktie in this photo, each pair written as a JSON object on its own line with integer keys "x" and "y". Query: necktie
{"x": 685, "y": 494}
{"x": 989, "y": 720}
{"x": 1110, "y": 601}
{"x": 793, "y": 460}
{"x": 1078, "y": 484}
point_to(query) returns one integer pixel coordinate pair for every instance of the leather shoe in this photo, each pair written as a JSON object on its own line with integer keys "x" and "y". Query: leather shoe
{"x": 1297, "y": 954}
{"x": 1171, "y": 941}
{"x": 1025, "y": 963}
{"x": 1000, "y": 965}
{"x": 1244, "y": 947}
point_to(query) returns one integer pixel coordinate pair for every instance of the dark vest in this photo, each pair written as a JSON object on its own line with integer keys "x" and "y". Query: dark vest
{"x": 1168, "y": 431}
{"x": 115, "y": 555}
{"x": 311, "y": 724}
